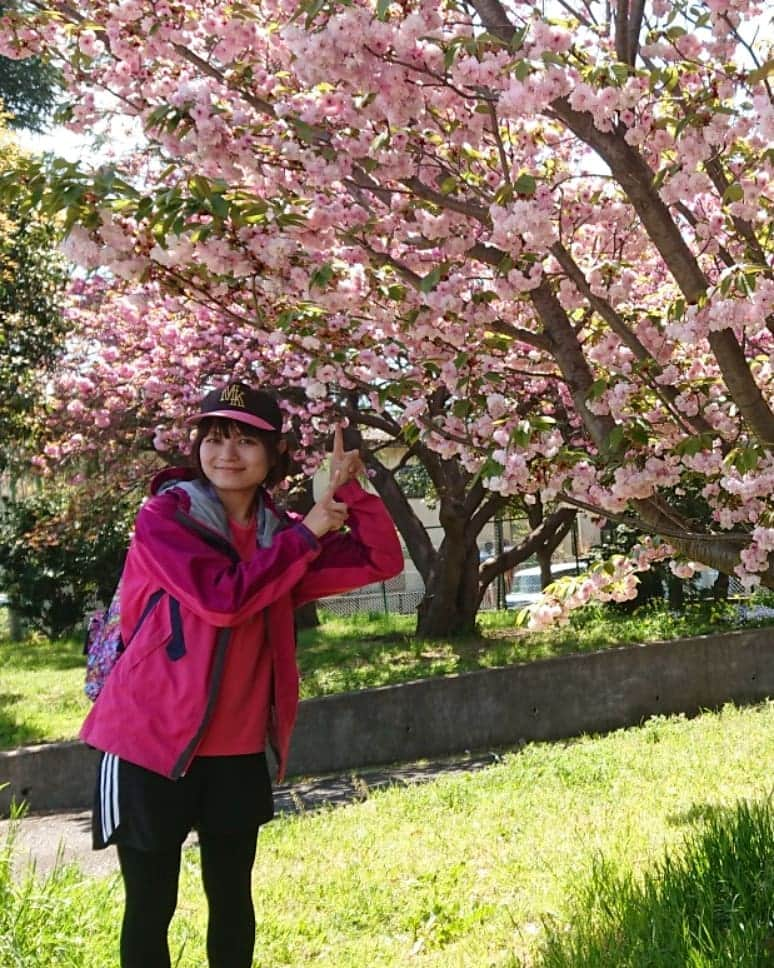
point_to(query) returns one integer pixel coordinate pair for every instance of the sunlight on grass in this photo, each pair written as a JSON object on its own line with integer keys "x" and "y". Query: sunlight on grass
{"x": 712, "y": 904}
{"x": 363, "y": 651}
{"x": 41, "y": 690}
{"x": 464, "y": 871}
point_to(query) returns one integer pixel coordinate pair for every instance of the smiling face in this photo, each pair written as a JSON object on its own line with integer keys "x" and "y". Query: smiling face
{"x": 234, "y": 458}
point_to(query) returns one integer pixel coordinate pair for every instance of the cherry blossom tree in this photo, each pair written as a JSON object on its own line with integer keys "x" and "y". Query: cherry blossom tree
{"x": 135, "y": 362}
{"x": 521, "y": 210}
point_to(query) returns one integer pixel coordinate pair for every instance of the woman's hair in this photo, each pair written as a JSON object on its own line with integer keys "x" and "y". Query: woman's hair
{"x": 279, "y": 460}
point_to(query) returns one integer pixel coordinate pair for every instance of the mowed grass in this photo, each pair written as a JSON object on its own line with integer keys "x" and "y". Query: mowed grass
{"x": 476, "y": 870}
{"x": 41, "y": 682}
{"x": 41, "y": 690}
{"x": 366, "y": 650}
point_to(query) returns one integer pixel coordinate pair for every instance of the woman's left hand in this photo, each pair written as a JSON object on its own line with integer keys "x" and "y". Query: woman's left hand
{"x": 345, "y": 464}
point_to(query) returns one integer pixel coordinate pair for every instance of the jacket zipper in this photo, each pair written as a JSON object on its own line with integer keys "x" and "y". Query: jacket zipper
{"x": 184, "y": 760}
{"x": 224, "y": 635}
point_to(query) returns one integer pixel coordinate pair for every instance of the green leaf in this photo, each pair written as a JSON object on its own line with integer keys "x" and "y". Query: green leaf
{"x": 638, "y": 434}
{"x": 219, "y": 206}
{"x": 504, "y": 194}
{"x": 321, "y": 277}
{"x": 521, "y": 436}
{"x": 762, "y": 72}
{"x": 522, "y": 616}
{"x": 312, "y": 9}
{"x": 382, "y": 7}
{"x": 305, "y": 131}
{"x": 431, "y": 280}
{"x": 597, "y": 388}
{"x": 744, "y": 459}
{"x": 670, "y": 77}
{"x": 525, "y": 184}
{"x": 734, "y": 193}
{"x": 381, "y": 140}
{"x": 615, "y": 438}
{"x": 620, "y": 72}
{"x": 517, "y": 38}
{"x": 693, "y": 445}
{"x": 677, "y": 309}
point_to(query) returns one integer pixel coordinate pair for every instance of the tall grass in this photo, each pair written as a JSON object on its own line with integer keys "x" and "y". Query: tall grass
{"x": 51, "y": 920}
{"x": 710, "y": 906}
{"x": 65, "y": 919}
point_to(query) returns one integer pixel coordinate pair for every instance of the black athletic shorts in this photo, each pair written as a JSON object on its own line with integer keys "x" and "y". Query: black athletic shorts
{"x": 219, "y": 796}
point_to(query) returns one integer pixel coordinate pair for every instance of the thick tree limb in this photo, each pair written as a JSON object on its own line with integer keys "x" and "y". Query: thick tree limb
{"x": 616, "y": 323}
{"x": 413, "y": 532}
{"x": 636, "y": 17}
{"x": 636, "y": 180}
{"x": 558, "y": 521}
{"x": 571, "y": 361}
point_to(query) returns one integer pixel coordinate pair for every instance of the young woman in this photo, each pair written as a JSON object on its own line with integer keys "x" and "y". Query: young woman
{"x": 211, "y": 579}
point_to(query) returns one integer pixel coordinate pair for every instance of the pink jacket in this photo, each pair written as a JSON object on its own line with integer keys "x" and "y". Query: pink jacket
{"x": 183, "y": 590}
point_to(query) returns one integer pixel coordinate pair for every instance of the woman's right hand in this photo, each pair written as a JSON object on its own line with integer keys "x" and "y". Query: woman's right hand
{"x": 328, "y": 514}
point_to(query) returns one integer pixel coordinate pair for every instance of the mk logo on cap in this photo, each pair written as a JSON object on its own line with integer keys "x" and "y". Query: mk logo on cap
{"x": 233, "y": 395}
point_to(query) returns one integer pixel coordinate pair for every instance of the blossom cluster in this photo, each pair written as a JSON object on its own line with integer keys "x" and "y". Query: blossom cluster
{"x": 546, "y": 265}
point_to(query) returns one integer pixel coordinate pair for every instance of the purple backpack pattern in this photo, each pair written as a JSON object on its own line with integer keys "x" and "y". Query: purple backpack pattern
{"x": 103, "y": 645}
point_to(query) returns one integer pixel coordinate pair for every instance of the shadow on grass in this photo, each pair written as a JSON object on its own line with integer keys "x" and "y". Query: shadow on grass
{"x": 13, "y": 733}
{"x": 710, "y": 905}
{"x": 699, "y": 813}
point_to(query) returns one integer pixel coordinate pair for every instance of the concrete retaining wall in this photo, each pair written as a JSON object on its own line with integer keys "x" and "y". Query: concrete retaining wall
{"x": 545, "y": 700}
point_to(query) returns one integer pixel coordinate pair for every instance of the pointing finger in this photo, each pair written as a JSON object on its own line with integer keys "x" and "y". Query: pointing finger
{"x": 338, "y": 444}
{"x": 334, "y": 482}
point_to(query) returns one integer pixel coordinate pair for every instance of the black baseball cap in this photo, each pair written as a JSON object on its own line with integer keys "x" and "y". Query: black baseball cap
{"x": 238, "y": 401}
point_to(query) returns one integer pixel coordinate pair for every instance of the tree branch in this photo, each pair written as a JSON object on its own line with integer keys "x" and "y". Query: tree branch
{"x": 622, "y": 31}
{"x": 666, "y": 394}
{"x": 540, "y": 537}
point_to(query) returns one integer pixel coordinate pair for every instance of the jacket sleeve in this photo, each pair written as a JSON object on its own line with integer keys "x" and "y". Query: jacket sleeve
{"x": 204, "y": 579}
{"x": 369, "y": 551}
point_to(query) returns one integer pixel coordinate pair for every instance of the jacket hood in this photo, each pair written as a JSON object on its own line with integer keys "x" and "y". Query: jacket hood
{"x": 206, "y": 507}
{"x": 171, "y": 475}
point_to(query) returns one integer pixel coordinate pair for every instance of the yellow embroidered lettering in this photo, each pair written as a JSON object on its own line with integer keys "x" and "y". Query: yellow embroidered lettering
{"x": 233, "y": 395}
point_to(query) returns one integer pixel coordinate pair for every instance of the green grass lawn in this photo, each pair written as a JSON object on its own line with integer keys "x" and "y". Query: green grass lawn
{"x": 470, "y": 871}
{"x": 41, "y": 682}
{"x": 361, "y": 651}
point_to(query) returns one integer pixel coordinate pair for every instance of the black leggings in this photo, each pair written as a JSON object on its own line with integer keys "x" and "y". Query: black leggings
{"x": 151, "y": 881}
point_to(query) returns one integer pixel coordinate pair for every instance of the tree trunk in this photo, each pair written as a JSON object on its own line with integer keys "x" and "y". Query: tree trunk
{"x": 545, "y": 552}
{"x": 544, "y": 561}
{"x": 450, "y": 603}
{"x": 675, "y": 593}
{"x": 721, "y": 587}
{"x": 307, "y": 617}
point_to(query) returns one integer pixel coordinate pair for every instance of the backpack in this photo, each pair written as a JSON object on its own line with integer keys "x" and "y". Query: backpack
{"x": 104, "y": 645}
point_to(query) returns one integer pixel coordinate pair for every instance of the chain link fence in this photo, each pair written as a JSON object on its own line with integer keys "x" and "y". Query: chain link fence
{"x": 388, "y": 596}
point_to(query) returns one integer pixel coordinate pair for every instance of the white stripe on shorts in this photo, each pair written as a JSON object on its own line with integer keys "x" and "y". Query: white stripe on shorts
{"x": 108, "y": 789}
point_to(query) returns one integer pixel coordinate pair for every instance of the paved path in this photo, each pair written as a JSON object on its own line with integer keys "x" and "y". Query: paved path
{"x": 42, "y": 837}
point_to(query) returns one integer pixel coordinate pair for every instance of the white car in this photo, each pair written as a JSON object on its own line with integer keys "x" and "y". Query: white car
{"x": 525, "y": 588}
